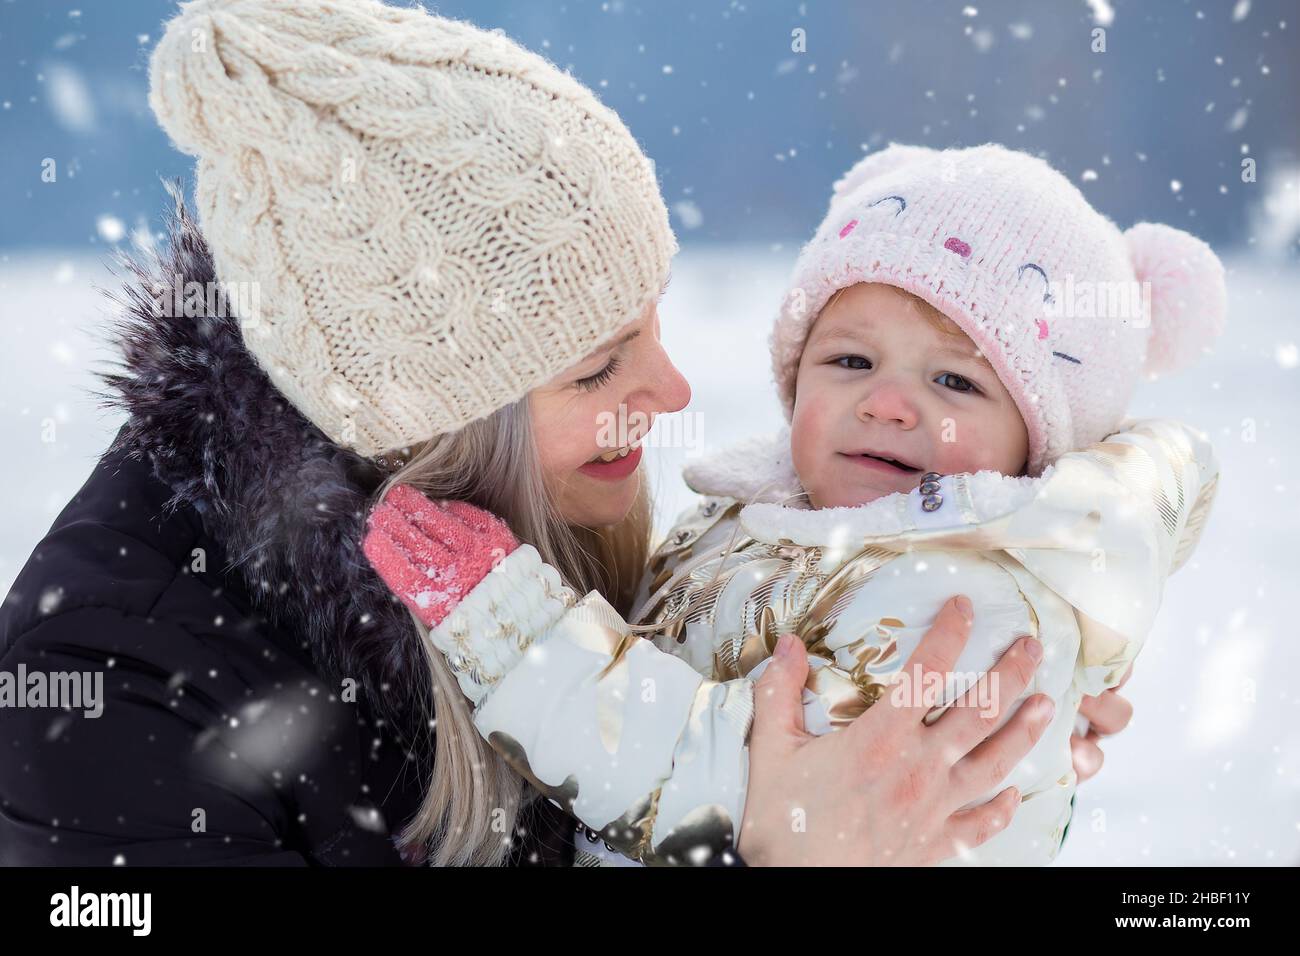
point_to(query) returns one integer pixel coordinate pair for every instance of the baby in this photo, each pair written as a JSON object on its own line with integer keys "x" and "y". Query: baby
{"x": 956, "y": 426}
{"x": 954, "y": 357}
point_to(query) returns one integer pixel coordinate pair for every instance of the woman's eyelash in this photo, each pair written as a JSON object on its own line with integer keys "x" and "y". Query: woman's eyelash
{"x": 593, "y": 382}
{"x": 846, "y": 358}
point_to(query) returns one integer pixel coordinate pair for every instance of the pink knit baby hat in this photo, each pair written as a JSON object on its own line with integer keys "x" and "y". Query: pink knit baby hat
{"x": 1068, "y": 309}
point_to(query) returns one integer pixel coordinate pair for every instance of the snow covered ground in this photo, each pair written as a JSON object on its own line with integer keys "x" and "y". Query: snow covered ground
{"x": 1209, "y": 771}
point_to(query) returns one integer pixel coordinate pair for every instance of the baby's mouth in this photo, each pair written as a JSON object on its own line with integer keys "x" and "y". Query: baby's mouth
{"x": 902, "y": 467}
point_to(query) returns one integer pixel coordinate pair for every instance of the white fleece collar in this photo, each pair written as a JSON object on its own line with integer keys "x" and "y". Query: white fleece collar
{"x": 759, "y": 468}
{"x": 759, "y": 471}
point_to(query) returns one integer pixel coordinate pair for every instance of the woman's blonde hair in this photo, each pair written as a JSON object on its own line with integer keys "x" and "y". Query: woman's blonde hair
{"x": 474, "y": 798}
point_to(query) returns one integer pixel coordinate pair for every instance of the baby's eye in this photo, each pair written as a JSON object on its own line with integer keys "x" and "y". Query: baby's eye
{"x": 859, "y": 362}
{"x": 964, "y": 385}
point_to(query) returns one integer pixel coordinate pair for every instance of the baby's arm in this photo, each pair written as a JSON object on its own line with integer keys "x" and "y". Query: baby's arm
{"x": 1120, "y": 516}
{"x": 629, "y": 739}
{"x": 879, "y": 626}
{"x": 1086, "y": 552}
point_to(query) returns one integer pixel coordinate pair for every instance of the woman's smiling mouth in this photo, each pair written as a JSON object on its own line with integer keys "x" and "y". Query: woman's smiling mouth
{"x": 614, "y": 465}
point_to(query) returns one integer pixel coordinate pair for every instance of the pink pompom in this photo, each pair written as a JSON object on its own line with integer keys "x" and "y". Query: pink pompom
{"x": 1189, "y": 297}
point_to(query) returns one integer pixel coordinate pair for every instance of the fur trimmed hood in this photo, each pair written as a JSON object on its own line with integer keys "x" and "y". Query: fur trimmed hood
{"x": 759, "y": 473}
{"x": 287, "y": 504}
{"x": 758, "y": 468}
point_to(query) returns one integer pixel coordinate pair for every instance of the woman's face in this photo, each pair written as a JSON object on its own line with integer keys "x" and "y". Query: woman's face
{"x": 602, "y": 408}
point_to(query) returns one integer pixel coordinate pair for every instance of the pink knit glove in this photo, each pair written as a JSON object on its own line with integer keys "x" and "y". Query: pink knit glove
{"x": 432, "y": 554}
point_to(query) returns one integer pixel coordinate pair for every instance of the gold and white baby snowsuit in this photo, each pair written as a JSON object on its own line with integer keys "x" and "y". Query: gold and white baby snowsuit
{"x": 644, "y": 739}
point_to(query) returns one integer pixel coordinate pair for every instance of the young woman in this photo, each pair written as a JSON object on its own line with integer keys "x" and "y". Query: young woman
{"x": 426, "y": 257}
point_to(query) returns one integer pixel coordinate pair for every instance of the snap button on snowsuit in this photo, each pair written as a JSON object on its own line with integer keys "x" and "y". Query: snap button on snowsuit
{"x": 930, "y": 489}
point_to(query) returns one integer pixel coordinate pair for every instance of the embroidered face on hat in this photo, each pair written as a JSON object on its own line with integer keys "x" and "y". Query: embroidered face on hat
{"x": 1068, "y": 309}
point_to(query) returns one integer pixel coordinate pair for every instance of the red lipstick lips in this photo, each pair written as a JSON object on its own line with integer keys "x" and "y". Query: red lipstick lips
{"x": 615, "y": 470}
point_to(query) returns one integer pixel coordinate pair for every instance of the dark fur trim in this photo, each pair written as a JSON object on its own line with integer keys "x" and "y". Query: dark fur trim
{"x": 286, "y": 503}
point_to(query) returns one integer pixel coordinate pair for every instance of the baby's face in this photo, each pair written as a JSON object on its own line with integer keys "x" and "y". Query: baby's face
{"x": 877, "y": 376}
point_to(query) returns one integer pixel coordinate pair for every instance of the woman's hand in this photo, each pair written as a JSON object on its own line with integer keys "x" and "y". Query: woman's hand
{"x": 1109, "y": 713}
{"x": 887, "y": 789}
{"x": 432, "y": 554}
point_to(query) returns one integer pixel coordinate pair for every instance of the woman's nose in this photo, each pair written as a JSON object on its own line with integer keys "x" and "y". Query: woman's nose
{"x": 668, "y": 389}
{"x": 888, "y": 402}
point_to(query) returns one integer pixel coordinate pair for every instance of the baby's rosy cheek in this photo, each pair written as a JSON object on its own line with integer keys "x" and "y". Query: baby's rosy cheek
{"x": 807, "y": 433}
{"x": 812, "y": 417}
{"x": 964, "y": 445}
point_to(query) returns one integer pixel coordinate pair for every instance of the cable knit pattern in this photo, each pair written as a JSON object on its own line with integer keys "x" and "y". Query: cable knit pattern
{"x": 1011, "y": 251}
{"x": 434, "y": 219}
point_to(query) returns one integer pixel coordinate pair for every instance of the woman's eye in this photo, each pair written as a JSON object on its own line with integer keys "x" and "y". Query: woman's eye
{"x": 965, "y": 385}
{"x": 859, "y": 362}
{"x": 593, "y": 382}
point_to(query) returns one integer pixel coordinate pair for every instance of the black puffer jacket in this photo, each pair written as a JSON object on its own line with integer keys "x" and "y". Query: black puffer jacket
{"x": 211, "y": 569}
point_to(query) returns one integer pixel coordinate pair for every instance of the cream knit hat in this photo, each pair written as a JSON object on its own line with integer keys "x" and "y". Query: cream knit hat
{"x": 434, "y": 220}
{"x": 1068, "y": 310}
